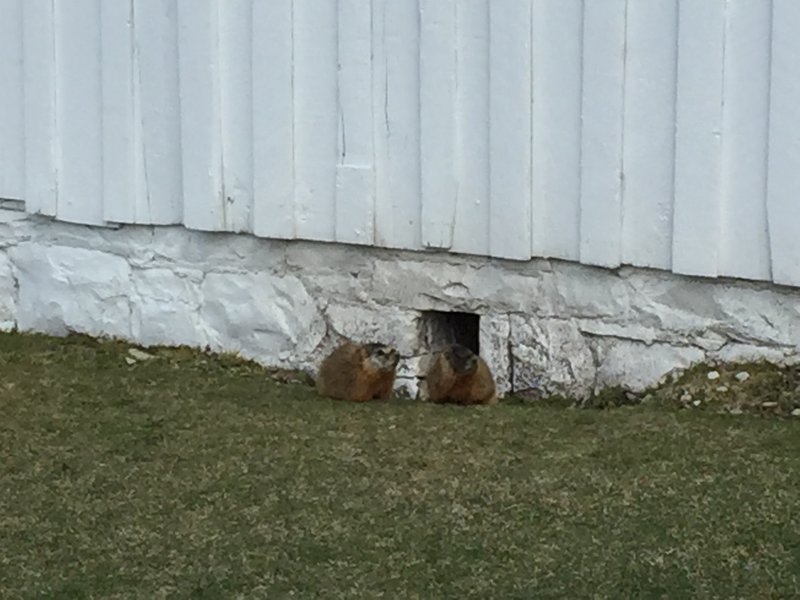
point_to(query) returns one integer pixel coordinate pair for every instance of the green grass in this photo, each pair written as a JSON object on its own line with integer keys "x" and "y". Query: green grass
{"x": 191, "y": 476}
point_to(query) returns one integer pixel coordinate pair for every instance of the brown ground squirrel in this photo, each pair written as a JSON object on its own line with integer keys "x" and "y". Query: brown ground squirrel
{"x": 358, "y": 372}
{"x": 459, "y": 376}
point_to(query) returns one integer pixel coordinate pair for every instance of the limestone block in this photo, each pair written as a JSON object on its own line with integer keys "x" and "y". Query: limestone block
{"x": 65, "y": 289}
{"x": 265, "y": 317}
{"x": 210, "y": 251}
{"x": 494, "y": 337}
{"x": 166, "y": 308}
{"x": 373, "y": 323}
{"x": 637, "y": 366}
{"x": 8, "y": 295}
{"x": 551, "y": 355}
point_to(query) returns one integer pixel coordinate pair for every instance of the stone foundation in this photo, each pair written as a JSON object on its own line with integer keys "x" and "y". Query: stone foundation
{"x": 545, "y": 326}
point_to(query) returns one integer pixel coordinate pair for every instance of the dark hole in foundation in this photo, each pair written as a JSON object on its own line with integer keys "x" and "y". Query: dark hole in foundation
{"x": 440, "y": 329}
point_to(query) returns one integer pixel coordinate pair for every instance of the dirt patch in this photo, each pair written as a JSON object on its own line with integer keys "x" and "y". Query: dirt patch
{"x": 737, "y": 388}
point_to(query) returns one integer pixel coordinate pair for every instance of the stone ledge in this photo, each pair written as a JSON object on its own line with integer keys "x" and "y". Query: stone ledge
{"x": 548, "y": 326}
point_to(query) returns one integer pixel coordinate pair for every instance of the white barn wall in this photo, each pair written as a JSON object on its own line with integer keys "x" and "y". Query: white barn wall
{"x": 783, "y": 181}
{"x": 698, "y": 142}
{"x": 655, "y": 134}
{"x": 557, "y": 49}
{"x": 273, "y": 122}
{"x": 79, "y": 111}
{"x": 649, "y": 135}
{"x": 744, "y": 241}
{"x": 12, "y": 100}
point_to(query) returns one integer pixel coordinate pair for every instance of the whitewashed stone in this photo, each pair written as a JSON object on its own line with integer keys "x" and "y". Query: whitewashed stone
{"x": 64, "y": 289}
{"x": 759, "y": 315}
{"x": 502, "y": 289}
{"x": 467, "y": 286}
{"x": 742, "y": 353}
{"x": 410, "y": 367}
{"x": 133, "y": 244}
{"x": 495, "y": 334}
{"x": 630, "y": 330}
{"x": 551, "y": 355}
{"x": 165, "y": 308}
{"x": 414, "y": 284}
{"x": 409, "y": 371}
{"x": 589, "y": 293}
{"x": 216, "y": 251}
{"x": 261, "y": 315}
{"x": 8, "y": 295}
{"x": 340, "y": 259}
{"x": 551, "y": 325}
{"x": 674, "y": 305}
{"x": 10, "y": 216}
{"x": 371, "y": 323}
{"x": 637, "y": 366}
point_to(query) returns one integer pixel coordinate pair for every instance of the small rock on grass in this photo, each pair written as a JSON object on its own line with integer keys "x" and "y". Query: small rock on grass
{"x": 736, "y": 411}
{"x": 742, "y": 376}
{"x": 722, "y": 388}
{"x": 130, "y": 361}
{"x": 712, "y": 375}
{"x": 796, "y": 412}
{"x": 696, "y": 403}
{"x": 137, "y": 354}
{"x": 769, "y": 404}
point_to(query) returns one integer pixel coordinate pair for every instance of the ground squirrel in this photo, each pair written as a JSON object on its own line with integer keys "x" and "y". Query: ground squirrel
{"x": 459, "y": 376}
{"x": 358, "y": 372}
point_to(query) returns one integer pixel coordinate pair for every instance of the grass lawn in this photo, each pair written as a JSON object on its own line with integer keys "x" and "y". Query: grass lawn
{"x": 190, "y": 476}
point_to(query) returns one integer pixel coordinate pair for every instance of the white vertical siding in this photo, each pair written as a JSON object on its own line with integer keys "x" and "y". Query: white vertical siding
{"x": 396, "y": 110}
{"x": 658, "y": 134}
{"x": 743, "y": 243}
{"x": 41, "y": 131}
{"x": 157, "y": 122}
{"x": 355, "y": 169}
{"x": 236, "y": 111}
{"x": 12, "y": 149}
{"x": 649, "y": 135}
{"x": 204, "y": 201}
{"x": 437, "y": 51}
{"x": 783, "y": 182}
{"x": 698, "y": 127}
{"x": 510, "y": 128}
{"x": 79, "y": 109}
{"x": 273, "y": 120}
{"x": 316, "y": 122}
{"x": 471, "y": 147}
{"x": 557, "y": 88}
{"x": 601, "y": 133}
{"x": 120, "y": 90}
